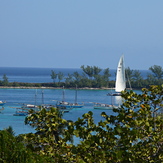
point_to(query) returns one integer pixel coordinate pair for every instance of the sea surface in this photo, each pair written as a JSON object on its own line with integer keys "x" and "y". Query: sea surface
{"x": 43, "y": 75}
{"x": 16, "y": 97}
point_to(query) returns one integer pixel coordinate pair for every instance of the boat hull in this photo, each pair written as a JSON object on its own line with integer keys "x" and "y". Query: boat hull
{"x": 69, "y": 106}
{"x": 20, "y": 114}
{"x": 2, "y": 103}
{"x": 104, "y": 107}
{"x": 114, "y": 94}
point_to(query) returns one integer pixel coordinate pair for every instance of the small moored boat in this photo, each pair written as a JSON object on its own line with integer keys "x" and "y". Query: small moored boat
{"x": 21, "y": 112}
{"x": 2, "y": 103}
{"x": 64, "y": 104}
{"x": 120, "y": 84}
{"x": 24, "y": 110}
{"x": 101, "y": 106}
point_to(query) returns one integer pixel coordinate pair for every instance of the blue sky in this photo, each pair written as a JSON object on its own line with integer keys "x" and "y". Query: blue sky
{"x": 71, "y": 33}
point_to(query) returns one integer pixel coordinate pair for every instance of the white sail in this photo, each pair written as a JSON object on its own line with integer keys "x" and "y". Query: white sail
{"x": 120, "y": 84}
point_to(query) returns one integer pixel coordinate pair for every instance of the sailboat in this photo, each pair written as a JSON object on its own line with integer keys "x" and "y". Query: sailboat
{"x": 63, "y": 104}
{"x": 24, "y": 109}
{"x": 120, "y": 84}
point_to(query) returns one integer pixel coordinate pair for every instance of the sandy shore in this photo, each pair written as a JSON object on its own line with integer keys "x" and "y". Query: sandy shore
{"x": 84, "y": 88}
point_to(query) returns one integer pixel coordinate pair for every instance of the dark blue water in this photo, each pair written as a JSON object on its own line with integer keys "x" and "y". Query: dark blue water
{"x": 42, "y": 75}
{"x": 32, "y": 75}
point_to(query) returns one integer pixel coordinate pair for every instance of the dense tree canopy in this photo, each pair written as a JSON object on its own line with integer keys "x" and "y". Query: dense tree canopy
{"x": 157, "y": 71}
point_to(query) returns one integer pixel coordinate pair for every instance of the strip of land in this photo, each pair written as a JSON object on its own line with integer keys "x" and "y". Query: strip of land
{"x": 23, "y": 87}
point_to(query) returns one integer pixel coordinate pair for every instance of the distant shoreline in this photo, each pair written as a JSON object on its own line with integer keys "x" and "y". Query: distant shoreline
{"x": 22, "y": 87}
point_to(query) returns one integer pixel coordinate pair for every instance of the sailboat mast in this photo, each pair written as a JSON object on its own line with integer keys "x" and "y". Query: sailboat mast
{"x": 36, "y": 97}
{"x": 63, "y": 94}
{"x": 76, "y": 95}
{"x": 42, "y": 97}
{"x": 128, "y": 80}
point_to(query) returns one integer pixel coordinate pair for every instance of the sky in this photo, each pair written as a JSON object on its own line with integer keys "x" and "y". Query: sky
{"x": 72, "y": 33}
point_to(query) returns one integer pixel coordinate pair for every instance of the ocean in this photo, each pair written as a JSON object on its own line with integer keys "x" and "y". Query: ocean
{"x": 42, "y": 75}
{"x": 16, "y": 97}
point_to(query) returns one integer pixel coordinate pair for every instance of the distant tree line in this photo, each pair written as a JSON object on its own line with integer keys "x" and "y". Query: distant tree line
{"x": 135, "y": 78}
{"x": 95, "y": 77}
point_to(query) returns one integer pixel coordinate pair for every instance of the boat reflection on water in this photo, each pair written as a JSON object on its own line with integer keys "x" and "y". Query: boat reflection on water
{"x": 1, "y": 104}
{"x": 118, "y": 100}
{"x": 1, "y": 109}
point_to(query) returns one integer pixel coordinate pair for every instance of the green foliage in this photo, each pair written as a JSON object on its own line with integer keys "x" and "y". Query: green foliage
{"x": 106, "y": 77}
{"x": 77, "y": 76}
{"x": 50, "y": 127}
{"x": 69, "y": 79}
{"x": 134, "y": 133}
{"x": 96, "y": 70}
{"x": 53, "y": 75}
{"x": 137, "y": 79}
{"x": 12, "y": 149}
{"x": 95, "y": 80}
{"x": 10, "y": 130}
{"x": 157, "y": 71}
{"x": 88, "y": 70}
{"x": 129, "y": 73}
{"x": 60, "y": 76}
{"x": 5, "y": 79}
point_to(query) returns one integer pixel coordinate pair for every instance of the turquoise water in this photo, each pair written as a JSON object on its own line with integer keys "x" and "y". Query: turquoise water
{"x": 16, "y": 97}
